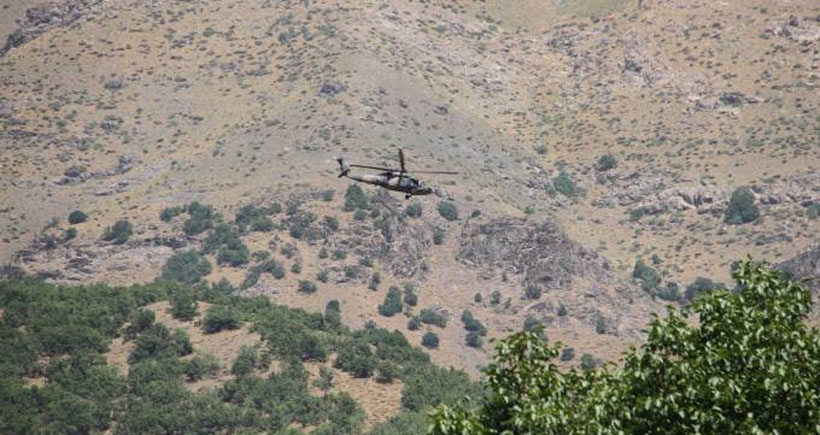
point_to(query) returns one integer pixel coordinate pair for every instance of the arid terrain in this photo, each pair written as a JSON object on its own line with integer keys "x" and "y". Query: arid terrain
{"x": 121, "y": 109}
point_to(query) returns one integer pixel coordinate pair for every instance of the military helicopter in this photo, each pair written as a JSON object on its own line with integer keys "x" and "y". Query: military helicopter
{"x": 393, "y": 179}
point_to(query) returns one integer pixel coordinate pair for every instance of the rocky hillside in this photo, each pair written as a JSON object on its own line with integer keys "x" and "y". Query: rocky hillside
{"x": 627, "y": 125}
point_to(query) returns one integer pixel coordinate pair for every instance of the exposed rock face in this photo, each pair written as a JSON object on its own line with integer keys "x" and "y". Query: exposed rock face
{"x": 543, "y": 253}
{"x": 403, "y": 247}
{"x": 42, "y": 17}
{"x": 703, "y": 199}
{"x": 574, "y": 277}
{"x": 805, "y": 267}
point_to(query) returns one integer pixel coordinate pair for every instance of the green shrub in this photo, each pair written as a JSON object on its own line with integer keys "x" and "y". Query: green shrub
{"x": 70, "y": 234}
{"x": 648, "y": 276}
{"x": 187, "y": 267}
{"x": 430, "y": 340}
{"x": 169, "y": 213}
{"x": 473, "y": 339}
{"x": 183, "y": 303}
{"x": 308, "y": 287}
{"x": 447, "y": 210}
{"x": 606, "y": 162}
{"x": 588, "y": 362}
{"x": 430, "y": 317}
{"x": 201, "y": 366}
{"x": 220, "y": 318}
{"x": 413, "y": 210}
{"x": 565, "y": 185}
{"x": 562, "y": 310}
{"x": 119, "y": 232}
{"x": 201, "y": 219}
{"x": 567, "y": 354}
{"x": 355, "y": 198}
{"x": 414, "y": 324}
{"x": 77, "y": 217}
{"x": 322, "y": 276}
{"x": 600, "y": 325}
{"x": 357, "y": 359}
{"x": 386, "y": 372}
{"x": 495, "y": 297}
{"x": 246, "y": 361}
{"x": 742, "y": 208}
{"x": 438, "y": 236}
{"x": 471, "y": 323}
{"x": 331, "y": 223}
{"x": 533, "y": 292}
{"x": 699, "y": 286}
{"x": 327, "y": 195}
{"x": 392, "y": 303}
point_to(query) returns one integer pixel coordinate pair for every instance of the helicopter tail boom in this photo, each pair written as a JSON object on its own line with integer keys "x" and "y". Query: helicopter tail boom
{"x": 343, "y": 166}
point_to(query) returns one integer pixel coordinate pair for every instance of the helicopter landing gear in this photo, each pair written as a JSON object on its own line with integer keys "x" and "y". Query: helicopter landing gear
{"x": 408, "y": 196}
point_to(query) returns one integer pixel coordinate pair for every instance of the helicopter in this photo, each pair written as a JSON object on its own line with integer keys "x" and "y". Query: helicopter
{"x": 393, "y": 179}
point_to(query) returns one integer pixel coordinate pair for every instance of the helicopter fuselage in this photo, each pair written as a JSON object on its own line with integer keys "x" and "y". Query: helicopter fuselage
{"x": 394, "y": 181}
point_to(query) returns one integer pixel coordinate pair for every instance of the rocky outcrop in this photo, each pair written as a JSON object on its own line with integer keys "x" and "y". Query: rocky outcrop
{"x": 805, "y": 267}
{"x": 41, "y": 18}
{"x": 542, "y": 253}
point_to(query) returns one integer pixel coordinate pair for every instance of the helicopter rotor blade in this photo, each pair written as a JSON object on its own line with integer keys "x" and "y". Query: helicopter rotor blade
{"x": 401, "y": 160}
{"x": 378, "y": 168}
{"x": 436, "y": 172}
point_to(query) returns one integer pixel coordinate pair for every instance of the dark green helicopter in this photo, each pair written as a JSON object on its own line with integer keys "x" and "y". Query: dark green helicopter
{"x": 393, "y": 179}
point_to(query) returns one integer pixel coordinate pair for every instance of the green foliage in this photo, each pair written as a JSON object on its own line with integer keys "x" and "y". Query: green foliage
{"x": 473, "y": 339}
{"x": 357, "y": 359}
{"x": 748, "y": 365}
{"x": 430, "y": 340}
{"x": 360, "y": 215}
{"x": 229, "y": 247}
{"x": 532, "y": 324}
{"x": 410, "y": 296}
{"x": 183, "y": 303}
{"x": 648, "y": 277}
{"x": 119, "y": 232}
{"x": 221, "y": 317}
{"x": 355, "y": 198}
{"x": 606, "y": 162}
{"x": 438, "y": 236}
{"x": 495, "y": 297}
{"x": 564, "y": 184}
{"x": 188, "y": 267}
{"x": 413, "y": 210}
{"x": 77, "y": 217}
{"x": 253, "y": 218}
{"x": 158, "y": 342}
{"x": 742, "y": 208}
{"x": 386, "y": 372}
{"x": 331, "y": 223}
{"x": 699, "y": 286}
{"x": 472, "y": 324}
{"x": 201, "y": 219}
{"x": 429, "y": 385}
{"x": 562, "y": 310}
{"x": 246, "y": 361}
{"x": 414, "y": 324}
{"x": 307, "y": 286}
{"x": 169, "y": 213}
{"x": 201, "y": 366}
{"x": 447, "y": 210}
{"x": 533, "y": 292}
{"x": 392, "y": 303}
{"x": 431, "y": 317}
{"x": 567, "y": 354}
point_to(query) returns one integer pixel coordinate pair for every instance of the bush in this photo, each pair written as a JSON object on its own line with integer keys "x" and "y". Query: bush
{"x": 742, "y": 208}
{"x": 246, "y": 361}
{"x": 600, "y": 325}
{"x": 413, "y": 210}
{"x": 472, "y": 324}
{"x": 392, "y": 303}
{"x": 438, "y": 236}
{"x": 119, "y": 232}
{"x": 200, "y": 219}
{"x": 183, "y": 303}
{"x": 410, "y": 297}
{"x": 77, "y": 217}
{"x": 567, "y": 354}
{"x": 533, "y": 292}
{"x": 386, "y": 372}
{"x": 355, "y": 198}
{"x": 699, "y": 286}
{"x": 565, "y": 185}
{"x": 447, "y": 210}
{"x": 648, "y": 276}
{"x": 588, "y": 362}
{"x": 430, "y": 317}
{"x": 754, "y": 341}
{"x": 327, "y": 195}
{"x": 430, "y": 340}
{"x": 201, "y": 366}
{"x": 474, "y": 339}
{"x": 414, "y": 324}
{"x": 187, "y": 267}
{"x": 606, "y": 162}
{"x": 220, "y": 318}
{"x": 532, "y": 324}
{"x": 375, "y": 280}
{"x": 495, "y": 297}
{"x": 70, "y": 234}
{"x": 562, "y": 310}
{"x": 168, "y": 213}
{"x": 308, "y": 287}
{"x": 331, "y": 223}
{"x": 357, "y": 359}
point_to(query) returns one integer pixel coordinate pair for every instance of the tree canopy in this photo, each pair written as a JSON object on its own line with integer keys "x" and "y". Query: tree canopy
{"x": 750, "y": 365}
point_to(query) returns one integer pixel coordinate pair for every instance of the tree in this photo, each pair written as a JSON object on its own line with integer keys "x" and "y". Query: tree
{"x": 220, "y": 317}
{"x": 749, "y": 365}
{"x": 183, "y": 303}
{"x": 648, "y": 276}
{"x": 355, "y": 198}
{"x": 187, "y": 267}
{"x": 447, "y": 210}
{"x": 77, "y": 217}
{"x": 606, "y": 162}
{"x": 742, "y": 208}
{"x": 392, "y": 303}
{"x": 565, "y": 185}
{"x": 307, "y": 286}
{"x": 430, "y": 340}
{"x": 119, "y": 232}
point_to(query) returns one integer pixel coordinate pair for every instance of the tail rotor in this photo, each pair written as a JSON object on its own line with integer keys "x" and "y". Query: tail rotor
{"x": 343, "y": 167}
